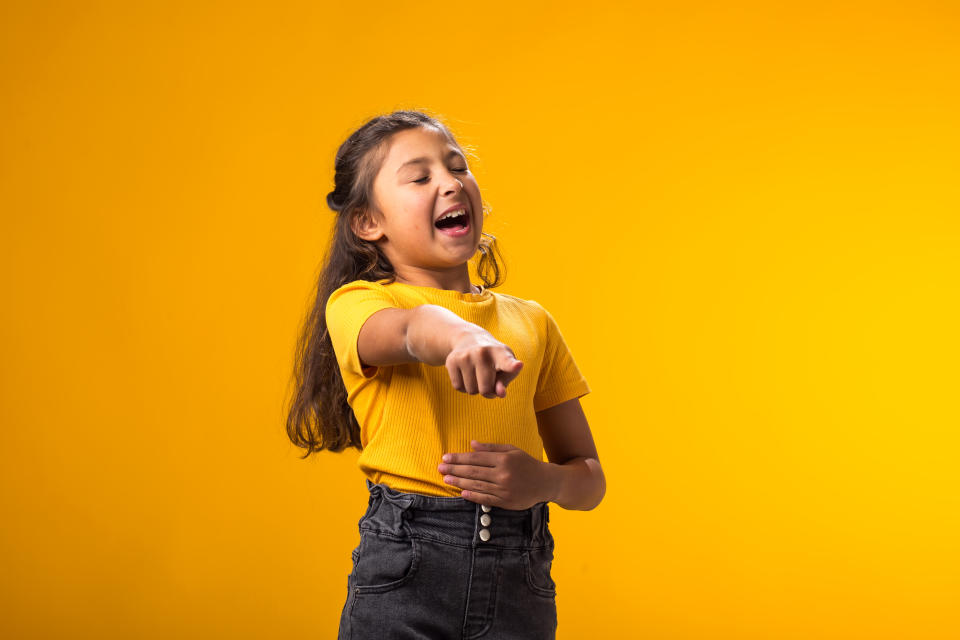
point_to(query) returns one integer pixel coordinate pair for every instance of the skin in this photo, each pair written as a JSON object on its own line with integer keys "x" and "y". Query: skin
{"x": 407, "y": 199}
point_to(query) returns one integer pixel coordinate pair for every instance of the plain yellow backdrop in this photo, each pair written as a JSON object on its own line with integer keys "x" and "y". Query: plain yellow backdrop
{"x": 744, "y": 217}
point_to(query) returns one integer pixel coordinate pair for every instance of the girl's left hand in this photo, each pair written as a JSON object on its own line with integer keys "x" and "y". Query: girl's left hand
{"x": 499, "y": 475}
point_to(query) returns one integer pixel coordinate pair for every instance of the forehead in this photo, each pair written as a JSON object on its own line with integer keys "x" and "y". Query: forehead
{"x": 419, "y": 141}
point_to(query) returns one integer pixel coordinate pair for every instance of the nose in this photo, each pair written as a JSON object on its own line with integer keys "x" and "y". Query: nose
{"x": 453, "y": 186}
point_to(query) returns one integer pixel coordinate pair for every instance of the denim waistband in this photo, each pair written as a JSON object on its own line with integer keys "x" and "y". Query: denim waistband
{"x": 454, "y": 520}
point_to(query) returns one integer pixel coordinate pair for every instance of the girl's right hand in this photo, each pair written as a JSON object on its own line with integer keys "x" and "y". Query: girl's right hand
{"x": 479, "y": 363}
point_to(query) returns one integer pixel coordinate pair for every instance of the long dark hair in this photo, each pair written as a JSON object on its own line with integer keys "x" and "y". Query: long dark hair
{"x": 319, "y": 417}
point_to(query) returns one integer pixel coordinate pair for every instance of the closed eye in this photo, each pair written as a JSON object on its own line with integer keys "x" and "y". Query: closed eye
{"x": 425, "y": 178}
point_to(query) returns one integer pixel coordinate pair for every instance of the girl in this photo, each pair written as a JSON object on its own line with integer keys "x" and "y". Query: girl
{"x": 403, "y": 358}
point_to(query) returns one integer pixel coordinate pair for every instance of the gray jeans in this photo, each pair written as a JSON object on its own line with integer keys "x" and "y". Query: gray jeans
{"x": 424, "y": 571}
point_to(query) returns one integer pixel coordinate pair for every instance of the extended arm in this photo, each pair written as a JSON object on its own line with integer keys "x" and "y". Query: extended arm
{"x": 476, "y": 361}
{"x": 425, "y": 333}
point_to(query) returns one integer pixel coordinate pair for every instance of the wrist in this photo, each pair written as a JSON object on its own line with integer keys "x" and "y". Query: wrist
{"x": 554, "y": 476}
{"x": 432, "y": 332}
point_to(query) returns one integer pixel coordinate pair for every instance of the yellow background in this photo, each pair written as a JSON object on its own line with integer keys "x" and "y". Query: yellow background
{"x": 743, "y": 216}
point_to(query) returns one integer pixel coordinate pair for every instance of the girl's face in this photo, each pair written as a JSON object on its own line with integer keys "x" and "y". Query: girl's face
{"x": 422, "y": 176}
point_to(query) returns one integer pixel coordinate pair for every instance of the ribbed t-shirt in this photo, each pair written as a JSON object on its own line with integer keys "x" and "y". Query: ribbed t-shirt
{"x": 410, "y": 414}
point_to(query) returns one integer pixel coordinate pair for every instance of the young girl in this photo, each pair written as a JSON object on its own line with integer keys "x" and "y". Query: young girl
{"x": 450, "y": 392}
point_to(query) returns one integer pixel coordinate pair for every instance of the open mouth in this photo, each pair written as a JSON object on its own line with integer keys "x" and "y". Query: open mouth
{"x": 455, "y": 223}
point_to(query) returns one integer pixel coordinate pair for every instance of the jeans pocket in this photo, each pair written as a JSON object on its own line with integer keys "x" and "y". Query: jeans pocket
{"x": 538, "y": 563}
{"x": 383, "y": 562}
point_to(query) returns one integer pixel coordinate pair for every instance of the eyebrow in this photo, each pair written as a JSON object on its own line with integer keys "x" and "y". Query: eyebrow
{"x": 421, "y": 159}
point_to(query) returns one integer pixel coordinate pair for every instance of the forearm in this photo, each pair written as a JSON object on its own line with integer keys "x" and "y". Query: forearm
{"x": 432, "y": 332}
{"x": 577, "y": 484}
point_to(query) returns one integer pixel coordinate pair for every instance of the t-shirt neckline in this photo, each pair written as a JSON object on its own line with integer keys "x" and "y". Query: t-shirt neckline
{"x": 446, "y": 293}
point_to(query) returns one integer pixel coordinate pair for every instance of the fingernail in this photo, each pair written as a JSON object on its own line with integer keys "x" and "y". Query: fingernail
{"x": 446, "y": 457}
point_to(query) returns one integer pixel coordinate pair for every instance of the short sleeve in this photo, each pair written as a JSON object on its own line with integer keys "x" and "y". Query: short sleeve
{"x": 347, "y": 309}
{"x": 560, "y": 379}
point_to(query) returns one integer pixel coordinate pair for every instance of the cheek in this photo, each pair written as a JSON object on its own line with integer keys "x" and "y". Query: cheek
{"x": 476, "y": 201}
{"x": 414, "y": 222}
{"x": 413, "y": 218}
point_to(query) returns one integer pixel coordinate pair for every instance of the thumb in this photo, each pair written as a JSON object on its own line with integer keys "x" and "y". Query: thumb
{"x": 507, "y": 363}
{"x": 507, "y": 370}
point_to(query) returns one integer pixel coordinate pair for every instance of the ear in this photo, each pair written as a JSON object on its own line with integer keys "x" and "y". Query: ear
{"x": 366, "y": 226}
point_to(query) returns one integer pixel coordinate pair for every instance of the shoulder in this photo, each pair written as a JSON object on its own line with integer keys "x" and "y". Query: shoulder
{"x": 515, "y": 301}
{"x": 529, "y": 309}
{"x": 363, "y": 288}
{"x": 363, "y": 285}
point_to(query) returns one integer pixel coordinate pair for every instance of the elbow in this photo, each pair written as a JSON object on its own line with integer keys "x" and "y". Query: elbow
{"x": 582, "y": 484}
{"x": 590, "y": 497}
{"x": 600, "y": 480}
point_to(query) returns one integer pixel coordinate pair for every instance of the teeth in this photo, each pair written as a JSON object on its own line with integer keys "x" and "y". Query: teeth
{"x": 452, "y": 214}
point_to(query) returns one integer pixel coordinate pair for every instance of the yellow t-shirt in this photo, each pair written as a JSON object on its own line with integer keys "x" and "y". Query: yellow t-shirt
{"x": 410, "y": 414}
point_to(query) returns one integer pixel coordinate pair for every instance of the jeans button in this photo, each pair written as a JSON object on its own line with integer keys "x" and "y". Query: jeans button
{"x": 485, "y": 507}
{"x": 485, "y": 519}
{"x": 484, "y": 535}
